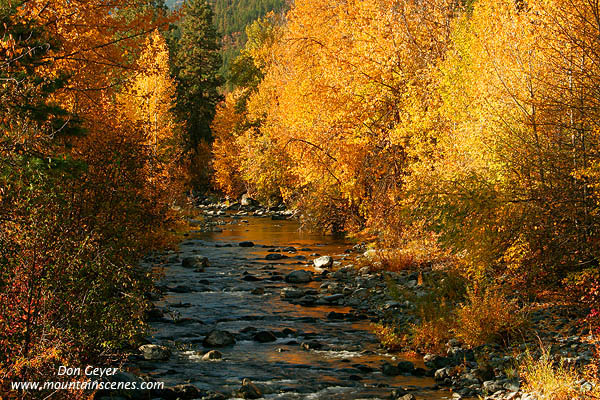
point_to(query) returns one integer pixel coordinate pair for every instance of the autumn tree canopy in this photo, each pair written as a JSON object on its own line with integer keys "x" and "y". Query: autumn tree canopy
{"x": 90, "y": 167}
{"x": 473, "y": 126}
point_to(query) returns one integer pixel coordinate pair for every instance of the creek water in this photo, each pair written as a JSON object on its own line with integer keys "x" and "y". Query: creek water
{"x": 347, "y": 367}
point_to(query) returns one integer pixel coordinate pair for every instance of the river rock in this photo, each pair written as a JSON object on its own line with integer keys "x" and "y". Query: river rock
{"x": 275, "y": 256}
{"x": 307, "y": 301}
{"x": 246, "y": 244}
{"x": 249, "y": 390}
{"x": 365, "y": 270}
{"x": 409, "y": 396}
{"x": 441, "y": 374}
{"x": 181, "y": 289}
{"x": 389, "y": 369}
{"x": 248, "y": 201}
{"x": 516, "y": 385}
{"x": 469, "y": 379}
{"x": 291, "y": 293}
{"x": 484, "y": 372}
{"x": 336, "y": 315}
{"x": 406, "y": 367}
{"x": 265, "y": 336}
{"x": 288, "y": 332}
{"x": 125, "y": 378}
{"x": 398, "y": 393}
{"x": 198, "y": 262}
{"x": 323, "y": 262}
{"x": 312, "y": 345}
{"x": 183, "y": 392}
{"x": 460, "y": 355}
{"x": 258, "y": 291}
{"x": 217, "y": 338}
{"x": 433, "y": 361}
{"x": 212, "y": 355}
{"x": 214, "y": 396}
{"x": 334, "y": 297}
{"x": 155, "y": 352}
{"x": 492, "y": 386}
{"x": 299, "y": 276}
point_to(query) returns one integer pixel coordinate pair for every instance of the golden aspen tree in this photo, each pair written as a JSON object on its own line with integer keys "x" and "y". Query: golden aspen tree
{"x": 150, "y": 97}
{"x": 336, "y": 87}
{"x": 227, "y": 154}
{"x": 503, "y": 181}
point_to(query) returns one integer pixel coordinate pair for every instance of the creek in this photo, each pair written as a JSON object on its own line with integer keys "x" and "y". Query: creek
{"x": 239, "y": 292}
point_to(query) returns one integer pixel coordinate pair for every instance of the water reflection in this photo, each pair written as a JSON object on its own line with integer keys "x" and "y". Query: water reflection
{"x": 346, "y": 366}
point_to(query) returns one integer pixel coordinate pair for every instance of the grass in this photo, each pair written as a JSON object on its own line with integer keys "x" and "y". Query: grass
{"x": 553, "y": 381}
{"x": 434, "y": 312}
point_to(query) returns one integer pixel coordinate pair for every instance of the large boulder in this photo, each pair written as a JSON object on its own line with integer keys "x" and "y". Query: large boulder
{"x": 155, "y": 352}
{"x": 217, "y": 338}
{"x": 198, "y": 262}
{"x": 323, "y": 262}
{"x": 299, "y": 276}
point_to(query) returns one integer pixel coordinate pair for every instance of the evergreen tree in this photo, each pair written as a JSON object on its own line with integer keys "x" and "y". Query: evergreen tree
{"x": 196, "y": 64}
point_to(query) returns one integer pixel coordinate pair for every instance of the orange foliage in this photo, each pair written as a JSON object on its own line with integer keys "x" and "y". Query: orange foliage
{"x": 226, "y": 149}
{"x": 77, "y": 212}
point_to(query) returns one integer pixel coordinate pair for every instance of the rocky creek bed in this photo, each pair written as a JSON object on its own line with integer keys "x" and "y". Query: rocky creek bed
{"x": 250, "y": 307}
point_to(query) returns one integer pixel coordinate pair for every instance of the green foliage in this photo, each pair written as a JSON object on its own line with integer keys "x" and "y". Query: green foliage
{"x": 196, "y": 63}
{"x": 232, "y": 16}
{"x": 232, "y": 19}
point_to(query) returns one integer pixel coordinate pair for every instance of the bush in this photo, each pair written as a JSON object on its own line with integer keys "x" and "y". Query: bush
{"x": 435, "y": 311}
{"x": 488, "y": 316}
{"x": 584, "y": 287}
{"x": 392, "y": 260}
{"x": 389, "y": 336}
{"x": 432, "y": 333}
